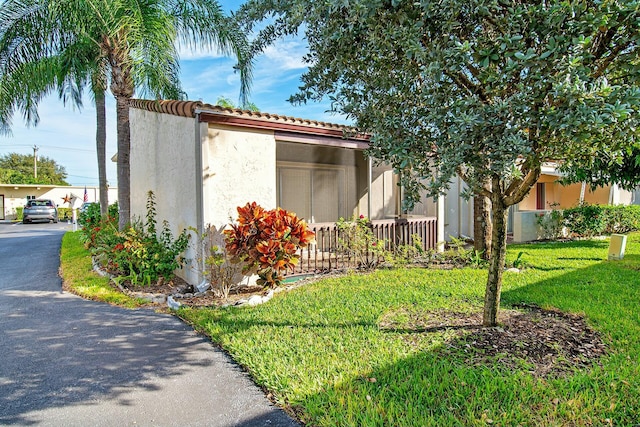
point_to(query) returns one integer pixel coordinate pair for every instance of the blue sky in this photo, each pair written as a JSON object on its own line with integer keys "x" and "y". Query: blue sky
{"x": 67, "y": 135}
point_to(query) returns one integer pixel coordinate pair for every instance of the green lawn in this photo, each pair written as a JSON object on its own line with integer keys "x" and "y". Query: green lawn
{"x": 79, "y": 277}
{"x": 322, "y": 354}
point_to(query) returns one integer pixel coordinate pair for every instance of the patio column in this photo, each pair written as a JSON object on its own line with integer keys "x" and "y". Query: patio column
{"x": 440, "y": 217}
{"x": 369, "y": 179}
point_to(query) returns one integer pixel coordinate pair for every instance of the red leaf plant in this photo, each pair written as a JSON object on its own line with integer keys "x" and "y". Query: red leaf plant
{"x": 267, "y": 241}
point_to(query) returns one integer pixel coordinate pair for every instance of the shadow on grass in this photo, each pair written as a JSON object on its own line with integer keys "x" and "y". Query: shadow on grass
{"x": 440, "y": 387}
{"x": 438, "y": 384}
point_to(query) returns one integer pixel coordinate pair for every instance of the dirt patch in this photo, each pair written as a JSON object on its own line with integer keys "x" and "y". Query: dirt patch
{"x": 547, "y": 343}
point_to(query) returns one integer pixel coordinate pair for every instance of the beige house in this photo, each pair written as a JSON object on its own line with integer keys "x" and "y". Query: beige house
{"x": 549, "y": 193}
{"x": 202, "y": 161}
{"x": 14, "y": 196}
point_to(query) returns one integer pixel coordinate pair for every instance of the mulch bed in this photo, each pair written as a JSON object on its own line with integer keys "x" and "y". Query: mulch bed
{"x": 548, "y": 343}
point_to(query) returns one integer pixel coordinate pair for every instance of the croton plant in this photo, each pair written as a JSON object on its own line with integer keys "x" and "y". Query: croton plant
{"x": 267, "y": 241}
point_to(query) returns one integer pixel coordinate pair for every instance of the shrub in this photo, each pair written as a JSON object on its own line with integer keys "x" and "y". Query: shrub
{"x": 65, "y": 214}
{"x": 137, "y": 253}
{"x": 267, "y": 241}
{"x": 589, "y": 220}
{"x": 585, "y": 220}
{"x": 357, "y": 242}
{"x": 551, "y": 223}
{"x": 91, "y": 216}
{"x": 222, "y": 271}
{"x": 622, "y": 219}
{"x": 412, "y": 252}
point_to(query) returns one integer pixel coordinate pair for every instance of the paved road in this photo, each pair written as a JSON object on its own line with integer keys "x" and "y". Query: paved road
{"x": 65, "y": 361}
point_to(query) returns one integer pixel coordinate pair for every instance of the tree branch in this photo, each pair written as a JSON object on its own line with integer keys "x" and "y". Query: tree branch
{"x": 525, "y": 185}
{"x": 615, "y": 52}
{"x": 484, "y": 190}
{"x": 463, "y": 81}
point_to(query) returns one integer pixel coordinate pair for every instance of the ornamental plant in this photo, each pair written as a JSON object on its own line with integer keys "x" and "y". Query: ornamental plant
{"x": 140, "y": 253}
{"x": 267, "y": 241}
{"x": 357, "y": 242}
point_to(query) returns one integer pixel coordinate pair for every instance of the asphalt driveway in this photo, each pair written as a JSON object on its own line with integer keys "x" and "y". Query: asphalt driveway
{"x": 65, "y": 361}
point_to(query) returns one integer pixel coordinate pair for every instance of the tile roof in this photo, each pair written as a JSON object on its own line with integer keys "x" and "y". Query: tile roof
{"x": 189, "y": 109}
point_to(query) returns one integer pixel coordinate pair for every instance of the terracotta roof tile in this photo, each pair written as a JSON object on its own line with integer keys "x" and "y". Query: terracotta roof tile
{"x": 188, "y": 109}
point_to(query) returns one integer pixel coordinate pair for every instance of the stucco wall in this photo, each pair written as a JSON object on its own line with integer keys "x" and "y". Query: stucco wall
{"x": 239, "y": 167}
{"x": 525, "y": 226}
{"x": 567, "y": 196}
{"x": 163, "y": 160}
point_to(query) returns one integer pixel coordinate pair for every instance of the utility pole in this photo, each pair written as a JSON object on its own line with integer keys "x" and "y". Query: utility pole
{"x": 35, "y": 162}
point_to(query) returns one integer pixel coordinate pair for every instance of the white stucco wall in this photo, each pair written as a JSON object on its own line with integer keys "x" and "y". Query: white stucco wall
{"x": 239, "y": 167}
{"x": 163, "y": 160}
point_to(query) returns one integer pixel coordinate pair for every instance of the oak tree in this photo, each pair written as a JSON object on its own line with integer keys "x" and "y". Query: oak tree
{"x": 488, "y": 90}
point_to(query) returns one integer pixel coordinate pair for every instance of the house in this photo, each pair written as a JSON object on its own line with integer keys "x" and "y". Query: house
{"x": 203, "y": 161}
{"x": 14, "y": 196}
{"x": 549, "y": 193}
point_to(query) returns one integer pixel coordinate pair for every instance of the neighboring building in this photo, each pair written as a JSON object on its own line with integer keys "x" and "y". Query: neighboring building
{"x": 549, "y": 193}
{"x": 14, "y": 196}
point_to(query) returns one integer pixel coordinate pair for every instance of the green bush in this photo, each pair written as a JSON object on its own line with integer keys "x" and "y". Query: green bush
{"x": 90, "y": 217}
{"x": 138, "y": 253}
{"x": 19, "y": 213}
{"x": 590, "y": 220}
{"x": 65, "y": 213}
{"x": 622, "y": 219}
{"x": 357, "y": 242}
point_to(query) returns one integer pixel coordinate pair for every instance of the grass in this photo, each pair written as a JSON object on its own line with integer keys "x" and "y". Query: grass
{"x": 79, "y": 277}
{"x": 320, "y": 350}
{"x": 322, "y": 354}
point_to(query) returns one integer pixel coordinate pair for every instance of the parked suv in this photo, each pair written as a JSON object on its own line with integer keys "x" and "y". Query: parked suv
{"x": 39, "y": 210}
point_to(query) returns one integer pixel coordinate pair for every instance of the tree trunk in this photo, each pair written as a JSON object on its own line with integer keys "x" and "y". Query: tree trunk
{"x": 124, "y": 175}
{"x": 101, "y": 148}
{"x": 497, "y": 259}
{"x": 482, "y": 225}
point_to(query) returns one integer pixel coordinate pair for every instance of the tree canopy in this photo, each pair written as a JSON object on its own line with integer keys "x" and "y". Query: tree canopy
{"x": 485, "y": 89}
{"x": 127, "y": 44}
{"x": 19, "y": 169}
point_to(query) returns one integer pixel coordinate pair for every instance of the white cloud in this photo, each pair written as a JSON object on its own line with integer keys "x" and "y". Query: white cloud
{"x": 286, "y": 54}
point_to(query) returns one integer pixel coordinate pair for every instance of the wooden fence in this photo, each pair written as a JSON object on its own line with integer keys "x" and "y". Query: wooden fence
{"x": 324, "y": 255}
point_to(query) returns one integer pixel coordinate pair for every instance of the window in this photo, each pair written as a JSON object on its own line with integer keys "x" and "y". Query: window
{"x": 31, "y": 197}
{"x": 314, "y": 192}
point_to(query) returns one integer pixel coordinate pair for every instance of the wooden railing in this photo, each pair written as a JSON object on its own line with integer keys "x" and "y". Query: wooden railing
{"x": 323, "y": 256}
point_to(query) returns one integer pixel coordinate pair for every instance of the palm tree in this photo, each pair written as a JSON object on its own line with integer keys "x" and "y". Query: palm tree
{"x": 135, "y": 42}
{"x": 25, "y": 79}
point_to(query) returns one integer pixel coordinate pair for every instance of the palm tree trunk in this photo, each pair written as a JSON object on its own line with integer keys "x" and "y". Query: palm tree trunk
{"x": 497, "y": 259}
{"x": 101, "y": 148}
{"x": 124, "y": 148}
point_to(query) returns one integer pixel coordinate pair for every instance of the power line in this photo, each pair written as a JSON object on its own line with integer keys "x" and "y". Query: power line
{"x": 52, "y": 146}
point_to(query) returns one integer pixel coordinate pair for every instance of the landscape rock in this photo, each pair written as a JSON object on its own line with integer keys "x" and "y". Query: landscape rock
{"x": 173, "y": 304}
{"x": 204, "y": 286}
{"x": 254, "y": 300}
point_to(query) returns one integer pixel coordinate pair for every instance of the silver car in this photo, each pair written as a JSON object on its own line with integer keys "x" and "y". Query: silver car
{"x": 40, "y": 210}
